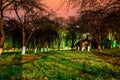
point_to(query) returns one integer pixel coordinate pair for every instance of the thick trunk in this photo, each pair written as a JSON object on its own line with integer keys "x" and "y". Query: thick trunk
{"x": 23, "y": 50}
{"x": 13, "y": 49}
{"x": 99, "y": 48}
{"x": 2, "y": 36}
{"x": 41, "y": 49}
{"x": 89, "y": 48}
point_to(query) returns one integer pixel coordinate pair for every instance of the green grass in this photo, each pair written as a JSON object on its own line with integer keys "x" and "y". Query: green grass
{"x": 59, "y": 65}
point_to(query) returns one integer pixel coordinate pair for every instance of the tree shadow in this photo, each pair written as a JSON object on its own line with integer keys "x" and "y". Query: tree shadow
{"x": 105, "y": 72}
{"x": 110, "y": 58}
{"x": 11, "y": 68}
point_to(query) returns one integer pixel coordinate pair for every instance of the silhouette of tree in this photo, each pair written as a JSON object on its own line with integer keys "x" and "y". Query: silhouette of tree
{"x": 26, "y": 6}
{"x": 29, "y": 7}
{"x": 93, "y": 13}
{"x": 12, "y": 30}
{"x": 72, "y": 31}
{"x": 45, "y": 32}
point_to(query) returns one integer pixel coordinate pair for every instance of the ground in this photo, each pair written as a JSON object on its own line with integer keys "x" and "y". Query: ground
{"x": 61, "y": 65}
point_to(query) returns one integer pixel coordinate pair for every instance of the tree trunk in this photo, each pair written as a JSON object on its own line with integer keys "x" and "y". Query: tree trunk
{"x": 35, "y": 50}
{"x": 59, "y": 43}
{"x": 25, "y": 42}
{"x": 1, "y": 50}
{"x": 23, "y": 37}
{"x": 99, "y": 46}
{"x": 2, "y": 37}
{"x": 23, "y": 50}
{"x": 35, "y": 45}
{"x": 118, "y": 44}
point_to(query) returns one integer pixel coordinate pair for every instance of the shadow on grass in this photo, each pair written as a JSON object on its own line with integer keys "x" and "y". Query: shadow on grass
{"x": 60, "y": 68}
{"x": 8, "y": 54}
{"x": 110, "y": 58}
{"x": 105, "y": 73}
{"x": 46, "y": 54}
{"x": 11, "y": 67}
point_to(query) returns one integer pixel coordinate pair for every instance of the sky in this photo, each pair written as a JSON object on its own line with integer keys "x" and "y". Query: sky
{"x": 59, "y": 8}
{"x": 55, "y": 5}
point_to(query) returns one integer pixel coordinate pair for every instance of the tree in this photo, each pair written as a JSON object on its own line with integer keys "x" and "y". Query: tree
{"x": 60, "y": 26}
{"x": 3, "y": 5}
{"x": 72, "y": 31}
{"x": 12, "y": 31}
{"x": 45, "y": 33}
{"x": 29, "y": 7}
{"x": 93, "y": 12}
{"x": 26, "y": 6}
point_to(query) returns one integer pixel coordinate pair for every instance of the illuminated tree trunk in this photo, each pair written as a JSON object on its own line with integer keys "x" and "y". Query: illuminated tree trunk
{"x": 23, "y": 37}
{"x": 36, "y": 50}
{"x": 2, "y": 37}
{"x": 25, "y": 42}
{"x": 23, "y": 50}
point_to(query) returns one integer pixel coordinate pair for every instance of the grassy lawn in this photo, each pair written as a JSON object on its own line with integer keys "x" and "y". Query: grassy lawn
{"x": 61, "y": 65}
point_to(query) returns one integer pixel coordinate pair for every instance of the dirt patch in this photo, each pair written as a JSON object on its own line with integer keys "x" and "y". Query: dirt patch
{"x": 28, "y": 58}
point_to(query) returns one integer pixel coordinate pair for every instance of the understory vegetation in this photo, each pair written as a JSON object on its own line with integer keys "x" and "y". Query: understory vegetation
{"x": 61, "y": 65}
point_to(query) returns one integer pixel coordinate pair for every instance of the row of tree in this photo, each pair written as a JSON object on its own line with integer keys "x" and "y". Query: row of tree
{"x": 33, "y": 26}
{"x": 28, "y": 13}
{"x": 100, "y": 18}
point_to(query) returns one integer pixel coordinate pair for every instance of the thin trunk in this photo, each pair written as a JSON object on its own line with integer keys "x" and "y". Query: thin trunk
{"x": 23, "y": 37}
{"x": 99, "y": 47}
{"x": 73, "y": 40}
{"x": 59, "y": 41}
{"x": 23, "y": 31}
{"x": 25, "y": 42}
{"x": 36, "y": 45}
{"x": 13, "y": 47}
{"x": 119, "y": 45}
{"x": 28, "y": 38}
